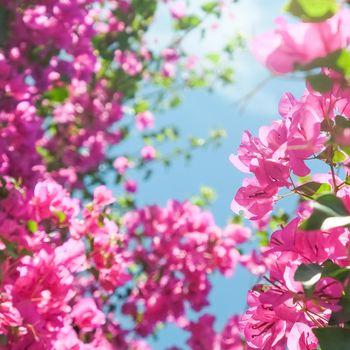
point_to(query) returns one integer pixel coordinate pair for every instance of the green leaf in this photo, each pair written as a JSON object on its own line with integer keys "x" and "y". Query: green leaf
{"x": 227, "y": 75}
{"x": 213, "y": 57}
{"x": 32, "y": 226}
{"x": 308, "y": 275}
{"x": 11, "y": 248}
{"x": 333, "y": 338}
{"x": 58, "y": 94}
{"x": 3, "y": 339}
{"x": 330, "y": 269}
{"x": 325, "y": 206}
{"x": 208, "y": 193}
{"x": 60, "y": 216}
{"x": 338, "y": 156}
{"x": 187, "y": 22}
{"x": 175, "y": 101}
{"x": 333, "y": 203}
{"x": 3, "y": 190}
{"x": 236, "y": 219}
{"x": 141, "y": 106}
{"x": 312, "y": 188}
{"x": 342, "y": 315}
{"x": 5, "y": 17}
{"x": 312, "y": 10}
{"x": 341, "y": 122}
{"x": 196, "y": 82}
{"x": 338, "y": 60}
{"x": 171, "y": 133}
{"x": 320, "y": 82}
{"x": 210, "y": 6}
{"x": 263, "y": 238}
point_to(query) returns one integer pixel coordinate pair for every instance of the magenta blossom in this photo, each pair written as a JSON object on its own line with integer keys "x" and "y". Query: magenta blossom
{"x": 86, "y": 315}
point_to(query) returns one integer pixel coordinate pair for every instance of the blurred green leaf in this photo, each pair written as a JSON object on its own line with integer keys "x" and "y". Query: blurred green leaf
{"x": 187, "y": 22}
{"x": 333, "y": 338}
{"x": 312, "y": 10}
{"x": 213, "y": 57}
{"x": 308, "y": 275}
{"x": 338, "y": 60}
{"x": 58, "y": 94}
{"x": 325, "y": 206}
{"x": 32, "y": 226}
{"x": 320, "y": 82}
{"x": 210, "y": 6}
{"x": 313, "y": 188}
{"x": 141, "y": 106}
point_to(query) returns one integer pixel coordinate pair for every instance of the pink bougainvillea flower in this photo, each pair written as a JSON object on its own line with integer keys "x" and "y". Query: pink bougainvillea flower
{"x": 86, "y": 315}
{"x": 145, "y": 120}
{"x": 178, "y": 10}
{"x": 122, "y": 164}
{"x": 301, "y": 43}
{"x": 148, "y": 152}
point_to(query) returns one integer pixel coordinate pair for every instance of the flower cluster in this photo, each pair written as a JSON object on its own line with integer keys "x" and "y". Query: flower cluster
{"x": 72, "y": 79}
{"x": 60, "y": 271}
{"x": 177, "y": 248}
{"x": 306, "y": 261}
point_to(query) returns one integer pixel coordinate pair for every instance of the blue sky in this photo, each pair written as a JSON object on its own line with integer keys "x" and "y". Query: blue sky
{"x": 202, "y": 111}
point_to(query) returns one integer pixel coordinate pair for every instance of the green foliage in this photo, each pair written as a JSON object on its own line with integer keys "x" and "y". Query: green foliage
{"x": 333, "y": 338}
{"x": 60, "y": 216}
{"x": 206, "y": 196}
{"x": 320, "y": 82}
{"x": 308, "y": 275}
{"x": 3, "y": 190}
{"x": 312, "y": 10}
{"x": 342, "y": 315}
{"x": 214, "y": 57}
{"x": 187, "y": 22}
{"x": 32, "y": 226}
{"x": 58, "y": 94}
{"x": 4, "y": 24}
{"x": 329, "y": 212}
{"x": 141, "y": 106}
{"x": 264, "y": 238}
{"x": 227, "y": 75}
{"x": 210, "y": 6}
{"x": 338, "y": 60}
{"x": 313, "y": 189}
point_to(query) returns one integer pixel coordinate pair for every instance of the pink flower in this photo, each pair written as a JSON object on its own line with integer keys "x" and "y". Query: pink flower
{"x": 301, "y": 337}
{"x": 130, "y": 186}
{"x": 9, "y": 315}
{"x": 264, "y": 324}
{"x": 122, "y": 164}
{"x": 102, "y": 197}
{"x": 301, "y": 43}
{"x": 168, "y": 70}
{"x": 254, "y": 200}
{"x": 148, "y": 153}
{"x": 178, "y": 10}
{"x": 254, "y": 263}
{"x": 51, "y": 199}
{"x": 170, "y": 55}
{"x": 203, "y": 336}
{"x": 144, "y": 120}
{"x": 86, "y": 315}
{"x": 230, "y": 337}
{"x": 128, "y": 61}
{"x": 305, "y": 138}
{"x": 237, "y": 233}
{"x": 191, "y": 62}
